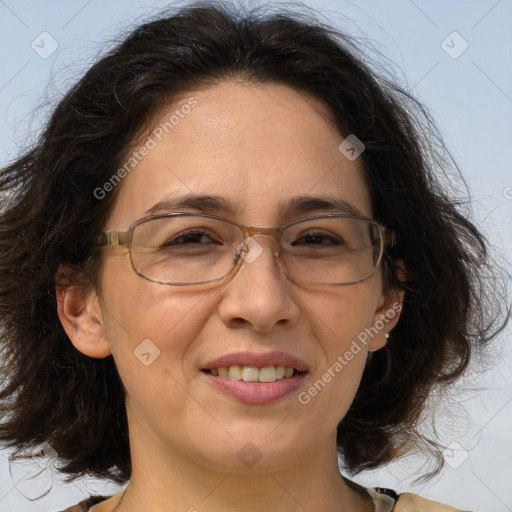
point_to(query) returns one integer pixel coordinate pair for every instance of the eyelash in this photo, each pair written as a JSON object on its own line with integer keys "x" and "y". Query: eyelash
{"x": 195, "y": 233}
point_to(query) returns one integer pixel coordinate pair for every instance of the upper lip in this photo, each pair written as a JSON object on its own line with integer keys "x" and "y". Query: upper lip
{"x": 259, "y": 360}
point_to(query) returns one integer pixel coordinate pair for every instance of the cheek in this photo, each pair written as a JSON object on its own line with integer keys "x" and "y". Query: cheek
{"x": 340, "y": 315}
{"x": 152, "y": 330}
{"x": 146, "y": 318}
{"x": 339, "y": 318}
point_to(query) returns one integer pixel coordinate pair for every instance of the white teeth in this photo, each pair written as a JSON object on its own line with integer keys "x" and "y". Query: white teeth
{"x": 268, "y": 374}
{"x": 235, "y": 372}
{"x": 253, "y": 374}
{"x": 250, "y": 374}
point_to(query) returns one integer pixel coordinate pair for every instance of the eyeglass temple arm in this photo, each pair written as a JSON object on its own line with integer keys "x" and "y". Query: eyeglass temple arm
{"x": 389, "y": 236}
{"x": 111, "y": 238}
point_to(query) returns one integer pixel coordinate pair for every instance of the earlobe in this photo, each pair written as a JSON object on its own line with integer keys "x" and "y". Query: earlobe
{"x": 385, "y": 319}
{"x": 80, "y": 315}
{"x": 388, "y": 311}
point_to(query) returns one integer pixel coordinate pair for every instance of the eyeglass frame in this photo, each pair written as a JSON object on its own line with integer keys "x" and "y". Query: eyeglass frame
{"x": 118, "y": 238}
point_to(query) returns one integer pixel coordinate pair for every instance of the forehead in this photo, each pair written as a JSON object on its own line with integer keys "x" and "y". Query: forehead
{"x": 257, "y": 146}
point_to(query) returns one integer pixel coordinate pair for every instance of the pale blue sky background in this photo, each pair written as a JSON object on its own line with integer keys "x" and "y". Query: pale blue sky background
{"x": 471, "y": 98}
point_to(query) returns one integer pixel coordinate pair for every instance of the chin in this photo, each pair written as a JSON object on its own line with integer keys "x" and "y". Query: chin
{"x": 254, "y": 448}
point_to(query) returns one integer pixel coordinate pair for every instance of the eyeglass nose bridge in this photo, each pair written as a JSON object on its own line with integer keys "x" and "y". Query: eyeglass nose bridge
{"x": 249, "y": 242}
{"x": 252, "y": 231}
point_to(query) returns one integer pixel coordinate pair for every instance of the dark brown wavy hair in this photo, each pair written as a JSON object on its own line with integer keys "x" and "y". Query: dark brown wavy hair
{"x": 453, "y": 305}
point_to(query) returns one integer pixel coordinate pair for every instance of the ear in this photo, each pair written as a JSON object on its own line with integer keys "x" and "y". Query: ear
{"x": 80, "y": 315}
{"x": 387, "y": 314}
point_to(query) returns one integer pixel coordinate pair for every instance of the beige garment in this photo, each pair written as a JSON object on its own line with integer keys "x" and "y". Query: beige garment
{"x": 413, "y": 503}
{"x": 407, "y": 502}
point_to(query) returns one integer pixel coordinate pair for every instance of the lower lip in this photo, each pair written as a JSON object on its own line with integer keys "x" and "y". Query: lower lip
{"x": 256, "y": 393}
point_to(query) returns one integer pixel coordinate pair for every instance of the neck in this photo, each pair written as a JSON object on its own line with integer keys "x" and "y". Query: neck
{"x": 167, "y": 481}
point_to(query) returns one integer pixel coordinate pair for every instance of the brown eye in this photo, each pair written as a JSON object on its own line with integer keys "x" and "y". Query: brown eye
{"x": 318, "y": 238}
{"x": 190, "y": 237}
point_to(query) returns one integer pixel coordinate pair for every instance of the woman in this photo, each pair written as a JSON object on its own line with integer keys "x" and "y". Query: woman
{"x": 229, "y": 261}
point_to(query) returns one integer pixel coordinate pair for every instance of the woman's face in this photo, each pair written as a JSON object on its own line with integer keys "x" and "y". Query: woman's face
{"x": 258, "y": 148}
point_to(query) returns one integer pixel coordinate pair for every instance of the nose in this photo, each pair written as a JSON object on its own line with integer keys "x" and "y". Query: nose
{"x": 259, "y": 296}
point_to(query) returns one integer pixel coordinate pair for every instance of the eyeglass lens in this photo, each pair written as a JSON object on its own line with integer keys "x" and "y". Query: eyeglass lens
{"x": 194, "y": 249}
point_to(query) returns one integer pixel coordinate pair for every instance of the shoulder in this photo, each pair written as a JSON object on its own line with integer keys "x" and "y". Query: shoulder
{"x": 408, "y": 502}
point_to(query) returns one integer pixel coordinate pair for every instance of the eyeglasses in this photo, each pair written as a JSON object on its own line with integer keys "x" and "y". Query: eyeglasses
{"x": 189, "y": 248}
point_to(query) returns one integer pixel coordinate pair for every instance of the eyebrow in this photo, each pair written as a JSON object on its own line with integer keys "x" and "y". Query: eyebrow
{"x": 202, "y": 202}
{"x": 211, "y": 203}
{"x": 306, "y": 204}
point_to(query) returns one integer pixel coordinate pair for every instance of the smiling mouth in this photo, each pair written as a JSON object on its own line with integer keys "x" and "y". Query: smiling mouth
{"x": 264, "y": 374}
